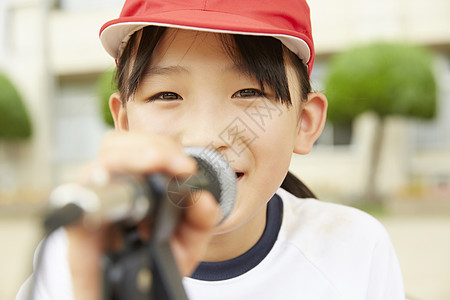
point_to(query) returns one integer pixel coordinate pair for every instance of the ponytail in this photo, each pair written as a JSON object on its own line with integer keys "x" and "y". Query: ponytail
{"x": 294, "y": 186}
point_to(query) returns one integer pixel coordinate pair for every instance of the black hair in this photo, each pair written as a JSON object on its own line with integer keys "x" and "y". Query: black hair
{"x": 258, "y": 56}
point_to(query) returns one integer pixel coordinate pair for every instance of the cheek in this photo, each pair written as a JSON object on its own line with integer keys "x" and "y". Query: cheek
{"x": 273, "y": 151}
{"x": 145, "y": 118}
{"x": 279, "y": 134}
{"x": 274, "y": 147}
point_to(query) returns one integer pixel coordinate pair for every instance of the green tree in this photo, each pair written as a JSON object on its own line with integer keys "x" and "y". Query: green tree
{"x": 106, "y": 87}
{"x": 15, "y": 125}
{"x": 385, "y": 78}
{"x": 14, "y": 120}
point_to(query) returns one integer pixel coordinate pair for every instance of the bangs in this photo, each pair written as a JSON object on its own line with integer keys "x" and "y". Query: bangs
{"x": 262, "y": 58}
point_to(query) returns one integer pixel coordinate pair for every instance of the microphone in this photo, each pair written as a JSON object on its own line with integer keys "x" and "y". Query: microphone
{"x": 128, "y": 199}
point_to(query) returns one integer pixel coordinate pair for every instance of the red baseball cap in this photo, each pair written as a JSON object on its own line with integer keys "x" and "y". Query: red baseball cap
{"x": 286, "y": 20}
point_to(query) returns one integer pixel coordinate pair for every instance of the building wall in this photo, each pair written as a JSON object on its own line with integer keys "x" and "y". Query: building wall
{"x": 23, "y": 60}
{"x": 54, "y": 57}
{"x": 337, "y": 24}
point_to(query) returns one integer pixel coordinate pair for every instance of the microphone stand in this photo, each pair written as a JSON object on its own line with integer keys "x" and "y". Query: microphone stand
{"x": 146, "y": 269}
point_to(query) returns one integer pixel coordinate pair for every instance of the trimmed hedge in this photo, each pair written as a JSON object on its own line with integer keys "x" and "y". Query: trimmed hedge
{"x": 14, "y": 120}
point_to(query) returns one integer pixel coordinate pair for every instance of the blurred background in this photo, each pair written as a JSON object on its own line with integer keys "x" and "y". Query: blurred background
{"x": 393, "y": 163}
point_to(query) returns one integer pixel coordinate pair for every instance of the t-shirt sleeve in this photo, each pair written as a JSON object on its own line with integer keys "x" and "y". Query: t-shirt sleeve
{"x": 51, "y": 278}
{"x": 385, "y": 278}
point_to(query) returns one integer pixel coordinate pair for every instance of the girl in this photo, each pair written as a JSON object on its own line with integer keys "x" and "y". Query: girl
{"x": 232, "y": 76}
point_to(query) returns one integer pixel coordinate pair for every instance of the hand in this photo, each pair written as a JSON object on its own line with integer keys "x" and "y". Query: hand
{"x": 137, "y": 153}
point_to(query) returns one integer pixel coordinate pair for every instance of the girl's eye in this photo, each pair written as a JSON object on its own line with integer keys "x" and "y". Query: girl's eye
{"x": 166, "y": 96}
{"x": 248, "y": 93}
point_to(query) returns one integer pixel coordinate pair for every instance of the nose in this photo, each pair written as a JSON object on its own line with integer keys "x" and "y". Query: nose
{"x": 219, "y": 128}
{"x": 204, "y": 126}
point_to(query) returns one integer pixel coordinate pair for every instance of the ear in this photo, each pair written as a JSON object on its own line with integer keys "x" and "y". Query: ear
{"x": 313, "y": 116}
{"x": 119, "y": 112}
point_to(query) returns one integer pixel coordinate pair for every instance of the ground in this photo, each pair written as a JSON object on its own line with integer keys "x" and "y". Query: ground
{"x": 422, "y": 243}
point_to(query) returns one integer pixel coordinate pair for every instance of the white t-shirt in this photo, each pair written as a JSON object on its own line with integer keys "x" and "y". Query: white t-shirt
{"x": 310, "y": 250}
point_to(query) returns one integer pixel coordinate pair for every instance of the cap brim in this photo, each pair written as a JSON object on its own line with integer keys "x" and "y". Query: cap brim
{"x": 115, "y": 33}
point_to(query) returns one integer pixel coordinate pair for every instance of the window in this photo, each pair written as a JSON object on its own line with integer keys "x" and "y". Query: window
{"x": 77, "y": 124}
{"x": 333, "y": 134}
{"x": 435, "y": 134}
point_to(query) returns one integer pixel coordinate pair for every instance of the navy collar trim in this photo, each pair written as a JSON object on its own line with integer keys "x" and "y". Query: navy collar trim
{"x": 222, "y": 270}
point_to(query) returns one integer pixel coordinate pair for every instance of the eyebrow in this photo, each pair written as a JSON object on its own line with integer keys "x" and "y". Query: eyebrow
{"x": 240, "y": 68}
{"x": 172, "y": 70}
{"x": 165, "y": 71}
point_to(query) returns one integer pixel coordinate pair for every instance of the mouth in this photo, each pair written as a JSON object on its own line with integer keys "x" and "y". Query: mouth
{"x": 239, "y": 175}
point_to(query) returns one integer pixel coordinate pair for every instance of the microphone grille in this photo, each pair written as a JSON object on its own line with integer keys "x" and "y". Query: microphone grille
{"x": 219, "y": 173}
